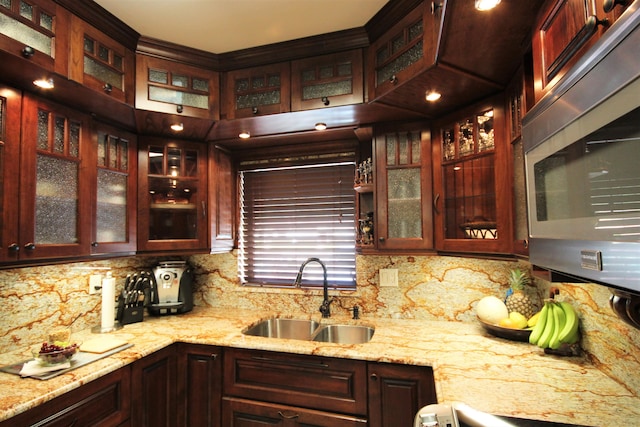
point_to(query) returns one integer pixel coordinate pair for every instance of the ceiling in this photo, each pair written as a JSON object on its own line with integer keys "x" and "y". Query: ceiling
{"x": 220, "y": 26}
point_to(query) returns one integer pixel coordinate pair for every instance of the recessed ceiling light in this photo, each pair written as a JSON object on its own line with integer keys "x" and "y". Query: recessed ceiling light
{"x": 244, "y": 134}
{"x": 486, "y": 4}
{"x": 177, "y": 127}
{"x": 44, "y": 83}
{"x": 432, "y": 96}
{"x": 321, "y": 126}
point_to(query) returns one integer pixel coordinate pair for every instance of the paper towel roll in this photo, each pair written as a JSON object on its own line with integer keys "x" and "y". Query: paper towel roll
{"x": 108, "y": 301}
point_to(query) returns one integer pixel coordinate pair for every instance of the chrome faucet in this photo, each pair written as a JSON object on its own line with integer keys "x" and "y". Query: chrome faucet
{"x": 326, "y": 302}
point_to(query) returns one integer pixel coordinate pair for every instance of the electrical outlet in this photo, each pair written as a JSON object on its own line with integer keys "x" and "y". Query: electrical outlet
{"x": 95, "y": 284}
{"x": 389, "y": 277}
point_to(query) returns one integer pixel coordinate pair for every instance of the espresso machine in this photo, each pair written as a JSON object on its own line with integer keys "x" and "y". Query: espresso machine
{"x": 171, "y": 289}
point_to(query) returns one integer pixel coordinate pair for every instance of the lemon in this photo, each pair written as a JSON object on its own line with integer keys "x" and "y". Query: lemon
{"x": 519, "y": 321}
{"x": 533, "y": 320}
{"x": 507, "y": 323}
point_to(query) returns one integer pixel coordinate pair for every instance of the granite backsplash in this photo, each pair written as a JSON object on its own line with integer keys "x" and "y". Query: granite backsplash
{"x": 38, "y": 299}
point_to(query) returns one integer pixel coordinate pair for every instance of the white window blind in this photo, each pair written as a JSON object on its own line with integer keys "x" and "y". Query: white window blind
{"x": 294, "y": 213}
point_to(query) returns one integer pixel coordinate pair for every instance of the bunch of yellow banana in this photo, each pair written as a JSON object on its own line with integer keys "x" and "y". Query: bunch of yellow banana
{"x": 557, "y": 324}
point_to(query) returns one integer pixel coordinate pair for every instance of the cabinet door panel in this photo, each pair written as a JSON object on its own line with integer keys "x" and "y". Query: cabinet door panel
{"x": 397, "y": 392}
{"x": 153, "y": 389}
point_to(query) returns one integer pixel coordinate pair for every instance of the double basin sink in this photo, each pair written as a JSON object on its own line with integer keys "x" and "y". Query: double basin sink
{"x": 310, "y": 330}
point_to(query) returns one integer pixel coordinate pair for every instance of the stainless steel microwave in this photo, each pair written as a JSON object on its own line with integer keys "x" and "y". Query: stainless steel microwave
{"x": 582, "y": 161}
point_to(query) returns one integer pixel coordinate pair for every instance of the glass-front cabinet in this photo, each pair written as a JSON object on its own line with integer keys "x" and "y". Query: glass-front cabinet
{"x": 258, "y": 91}
{"x": 172, "y": 195}
{"x": 403, "y": 214}
{"x": 472, "y": 188}
{"x": 116, "y": 191}
{"x": 36, "y": 30}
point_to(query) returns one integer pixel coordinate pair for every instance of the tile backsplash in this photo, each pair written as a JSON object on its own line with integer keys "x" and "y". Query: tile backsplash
{"x": 38, "y": 299}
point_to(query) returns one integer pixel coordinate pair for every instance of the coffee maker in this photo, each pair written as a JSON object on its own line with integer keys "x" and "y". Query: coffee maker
{"x": 171, "y": 290}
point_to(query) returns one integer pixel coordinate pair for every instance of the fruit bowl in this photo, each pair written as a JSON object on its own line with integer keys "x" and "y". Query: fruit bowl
{"x": 507, "y": 333}
{"x": 51, "y": 354}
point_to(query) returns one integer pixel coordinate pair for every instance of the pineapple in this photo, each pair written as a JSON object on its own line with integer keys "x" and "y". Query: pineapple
{"x": 517, "y": 300}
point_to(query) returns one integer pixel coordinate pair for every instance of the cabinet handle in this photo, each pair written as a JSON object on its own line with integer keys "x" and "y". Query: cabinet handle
{"x": 289, "y": 363}
{"x": 204, "y": 209}
{"x": 608, "y": 5}
{"x": 288, "y": 416}
{"x": 30, "y": 246}
{"x": 14, "y": 247}
{"x": 435, "y": 204}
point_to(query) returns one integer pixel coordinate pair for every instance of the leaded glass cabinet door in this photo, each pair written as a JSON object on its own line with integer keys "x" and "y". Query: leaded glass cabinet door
{"x": 172, "y": 195}
{"x": 54, "y": 191}
{"x": 403, "y": 189}
{"x": 115, "y": 195}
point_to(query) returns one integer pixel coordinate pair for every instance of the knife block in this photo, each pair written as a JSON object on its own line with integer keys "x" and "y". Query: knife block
{"x": 129, "y": 314}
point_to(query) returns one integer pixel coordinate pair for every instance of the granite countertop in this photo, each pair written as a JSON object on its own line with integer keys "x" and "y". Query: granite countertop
{"x": 490, "y": 374}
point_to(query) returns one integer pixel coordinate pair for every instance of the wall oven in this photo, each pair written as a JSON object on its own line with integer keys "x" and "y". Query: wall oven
{"x": 582, "y": 157}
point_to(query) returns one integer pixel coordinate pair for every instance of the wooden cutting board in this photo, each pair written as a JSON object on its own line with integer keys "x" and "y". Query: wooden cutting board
{"x": 102, "y": 344}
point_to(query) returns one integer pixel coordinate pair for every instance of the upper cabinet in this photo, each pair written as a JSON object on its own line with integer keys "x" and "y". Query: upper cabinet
{"x": 222, "y": 196}
{"x": 327, "y": 81}
{"x": 258, "y": 91}
{"x": 172, "y": 195}
{"x": 115, "y": 194}
{"x": 403, "y": 216}
{"x": 100, "y": 63}
{"x": 176, "y": 88}
{"x": 36, "y": 30}
{"x": 472, "y": 181}
{"x": 564, "y": 30}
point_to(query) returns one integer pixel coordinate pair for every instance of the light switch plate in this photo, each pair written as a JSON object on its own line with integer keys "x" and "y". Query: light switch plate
{"x": 389, "y": 277}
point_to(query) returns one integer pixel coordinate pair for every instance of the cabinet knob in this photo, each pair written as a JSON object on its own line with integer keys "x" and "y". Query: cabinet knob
{"x": 30, "y": 246}
{"x": 94, "y": 244}
{"x": 381, "y": 239}
{"x": 254, "y": 110}
{"x": 393, "y": 79}
{"x": 374, "y": 377}
{"x": 14, "y": 247}
{"x": 325, "y": 100}
{"x": 592, "y": 23}
{"x": 107, "y": 87}
{"x": 28, "y": 51}
{"x": 179, "y": 108}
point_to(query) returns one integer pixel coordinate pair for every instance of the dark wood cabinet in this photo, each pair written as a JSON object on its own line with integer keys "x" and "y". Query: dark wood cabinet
{"x": 332, "y": 385}
{"x": 258, "y": 91}
{"x": 100, "y": 63}
{"x": 153, "y": 389}
{"x": 114, "y": 198}
{"x": 222, "y": 200}
{"x": 10, "y": 113}
{"x": 563, "y": 32}
{"x": 327, "y": 81}
{"x": 175, "y": 88}
{"x": 247, "y": 413}
{"x": 199, "y": 385}
{"x": 37, "y": 31}
{"x": 472, "y": 181}
{"x": 403, "y": 188}
{"x": 55, "y": 208}
{"x": 104, "y": 402}
{"x": 172, "y": 195}
{"x": 397, "y": 392}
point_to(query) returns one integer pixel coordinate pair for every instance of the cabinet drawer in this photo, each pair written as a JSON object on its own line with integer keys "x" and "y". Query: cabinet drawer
{"x": 246, "y": 413}
{"x": 323, "y": 383}
{"x": 103, "y": 402}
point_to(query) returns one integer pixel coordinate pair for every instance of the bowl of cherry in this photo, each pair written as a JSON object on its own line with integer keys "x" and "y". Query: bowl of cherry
{"x": 50, "y": 354}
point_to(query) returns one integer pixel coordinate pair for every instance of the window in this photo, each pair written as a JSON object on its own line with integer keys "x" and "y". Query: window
{"x": 290, "y": 214}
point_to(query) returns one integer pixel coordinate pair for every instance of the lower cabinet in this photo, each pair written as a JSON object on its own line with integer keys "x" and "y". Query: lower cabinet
{"x": 102, "y": 402}
{"x": 248, "y": 413}
{"x": 153, "y": 389}
{"x": 397, "y": 392}
{"x": 199, "y": 385}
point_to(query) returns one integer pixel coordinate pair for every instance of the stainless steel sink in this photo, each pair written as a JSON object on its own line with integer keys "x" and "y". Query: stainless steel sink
{"x": 344, "y": 334}
{"x": 295, "y": 329}
{"x": 310, "y": 330}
